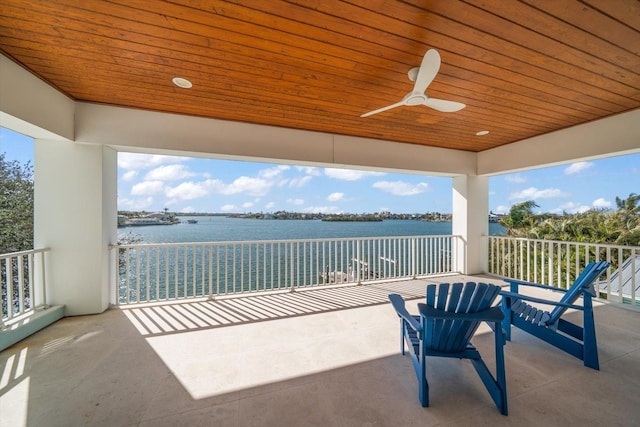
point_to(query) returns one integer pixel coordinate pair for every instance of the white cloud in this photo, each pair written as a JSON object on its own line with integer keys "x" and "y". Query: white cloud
{"x": 188, "y": 190}
{"x": 146, "y": 188}
{"x": 168, "y": 173}
{"x": 129, "y": 176}
{"x": 244, "y": 184}
{"x": 334, "y": 197}
{"x": 601, "y": 203}
{"x": 136, "y": 161}
{"x": 187, "y": 209}
{"x": 300, "y": 182}
{"x": 515, "y": 179}
{"x": 571, "y": 207}
{"x": 348, "y": 174}
{"x": 247, "y": 205}
{"x": 295, "y": 201}
{"x": 274, "y": 172}
{"x": 533, "y": 193}
{"x": 501, "y": 209}
{"x": 401, "y": 188}
{"x": 229, "y": 208}
{"x": 309, "y": 170}
{"x": 135, "y": 204}
{"x": 577, "y": 167}
{"x": 269, "y": 205}
{"x": 323, "y": 209}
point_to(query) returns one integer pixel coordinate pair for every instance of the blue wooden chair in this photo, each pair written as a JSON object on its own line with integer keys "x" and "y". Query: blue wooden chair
{"x": 444, "y": 328}
{"x": 579, "y": 341}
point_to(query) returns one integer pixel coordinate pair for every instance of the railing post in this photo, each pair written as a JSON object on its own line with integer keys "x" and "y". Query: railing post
{"x": 39, "y": 277}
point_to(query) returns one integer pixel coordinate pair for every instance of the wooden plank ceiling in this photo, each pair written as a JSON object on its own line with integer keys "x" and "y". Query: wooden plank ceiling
{"x": 523, "y": 68}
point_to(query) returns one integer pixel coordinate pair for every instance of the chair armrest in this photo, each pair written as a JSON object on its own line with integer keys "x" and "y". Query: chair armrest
{"x": 493, "y": 314}
{"x": 398, "y": 304}
{"x": 537, "y": 285}
{"x": 514, "y": 295}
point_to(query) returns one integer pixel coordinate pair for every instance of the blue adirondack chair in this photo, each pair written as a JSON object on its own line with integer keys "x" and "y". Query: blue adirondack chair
{"x": 579, "y": 341}
{"x": 444, "y": 328}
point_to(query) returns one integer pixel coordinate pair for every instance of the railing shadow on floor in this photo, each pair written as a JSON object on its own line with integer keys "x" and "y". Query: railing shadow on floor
{"x": 189, "y": 315}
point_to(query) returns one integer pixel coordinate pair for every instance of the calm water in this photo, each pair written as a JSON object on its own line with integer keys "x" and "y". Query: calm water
{"x": 220, "y": 229}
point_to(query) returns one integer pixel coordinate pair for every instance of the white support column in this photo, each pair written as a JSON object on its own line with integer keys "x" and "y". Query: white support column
{"x": 75, "y": 191}
{"x": 471, "y": 221}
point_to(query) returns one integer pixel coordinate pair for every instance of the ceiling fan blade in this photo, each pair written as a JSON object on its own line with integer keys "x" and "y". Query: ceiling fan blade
{"x": 380, "y": 110}
{"x": 444, "y": 105}
{"x": 428, "y": 70}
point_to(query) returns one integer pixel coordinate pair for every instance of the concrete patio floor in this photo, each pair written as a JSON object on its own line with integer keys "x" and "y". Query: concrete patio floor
{"x": 322, "y": 357}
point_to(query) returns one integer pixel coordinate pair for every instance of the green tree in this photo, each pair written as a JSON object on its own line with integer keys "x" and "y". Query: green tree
{"x": 520, "y": 218}
{"x": 628, "y": 218}
{"x": 16, "y": 205}
{"x": 630, "y": 204}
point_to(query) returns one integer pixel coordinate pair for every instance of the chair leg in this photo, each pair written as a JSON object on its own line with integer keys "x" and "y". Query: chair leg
{"x": 423, "y": 385}
{"x": 506, "y": 322}
{"x": 590, "y": 350}
{"x": 501, "y": 376}
{"x": 496, "y": 386}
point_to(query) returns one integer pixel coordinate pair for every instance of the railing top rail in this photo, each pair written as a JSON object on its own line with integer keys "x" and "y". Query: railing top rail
{"x": 237, "y": 242}
{"x": 27, "y": 252}
{"x": 600, "y": 245}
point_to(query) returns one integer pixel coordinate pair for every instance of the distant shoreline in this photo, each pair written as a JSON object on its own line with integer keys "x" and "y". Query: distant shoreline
{"x": 352, "y": 220}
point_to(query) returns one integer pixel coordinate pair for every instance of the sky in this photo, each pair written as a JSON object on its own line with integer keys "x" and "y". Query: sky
{"x": 181, "y": 184}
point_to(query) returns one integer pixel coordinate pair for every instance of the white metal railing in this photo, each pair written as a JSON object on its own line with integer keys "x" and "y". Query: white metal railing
{"x": 22, "y": 283}
{"x": 558, "y": 263}
{"x": 161, "y": 272}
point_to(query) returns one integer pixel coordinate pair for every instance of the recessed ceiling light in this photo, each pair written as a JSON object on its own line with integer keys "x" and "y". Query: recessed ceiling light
{"x": 482, "y": 133}
{"x": 182, "y": 82}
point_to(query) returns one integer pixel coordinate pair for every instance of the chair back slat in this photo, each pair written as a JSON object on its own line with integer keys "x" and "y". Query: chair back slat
{"x": 453, "y": 335}
{"x": 484, "y": 296}
{"x": 583, "y": 283}
{"x": 458, "y": 338}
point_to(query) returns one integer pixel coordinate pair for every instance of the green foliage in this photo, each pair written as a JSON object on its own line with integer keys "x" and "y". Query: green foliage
{"x": 620, "y": 227}
{"x": 16, "y": 206}
{"x": 520, "y": 217}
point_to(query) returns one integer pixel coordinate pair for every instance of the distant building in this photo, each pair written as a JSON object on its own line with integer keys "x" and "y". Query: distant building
{"x": 495, "y": 217}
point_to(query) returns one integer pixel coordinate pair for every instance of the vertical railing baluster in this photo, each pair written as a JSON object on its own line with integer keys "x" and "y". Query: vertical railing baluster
{"x": 157, "y": 252}
{"x": 21, "y": 291}
{"x": 248, "y": 268}
{"x": 620, "y": 274}
{"x": 634, "y": 276}
{"x": 147, "y": 267}
{"x": 271, "y": 267}
{"x": 137, "y": 269}
{"x": 34, "y": 304}
{"x": 176, "y": 272}
{"x": 10, "y": 297}
{"x": 210, "y": 275}
{"x": 279, "y": 264}
{"x": 234, "y": 282}
{"x": 288, "y": 266}
{"x": 218, "y": 250}
{"x": 567, "y": 276}
{"x": 202, "y": 271}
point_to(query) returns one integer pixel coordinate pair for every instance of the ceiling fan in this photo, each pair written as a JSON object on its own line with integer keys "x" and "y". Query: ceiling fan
{"x": 423, "y": 77}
